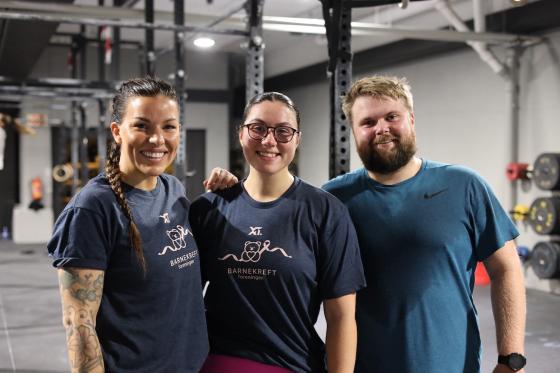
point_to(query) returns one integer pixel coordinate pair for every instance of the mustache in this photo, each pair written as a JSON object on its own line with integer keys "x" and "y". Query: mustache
{"x": 384, "y": 139}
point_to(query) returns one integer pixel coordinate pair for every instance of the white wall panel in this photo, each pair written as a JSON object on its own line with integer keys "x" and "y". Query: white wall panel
{"x": 462, "y": 112}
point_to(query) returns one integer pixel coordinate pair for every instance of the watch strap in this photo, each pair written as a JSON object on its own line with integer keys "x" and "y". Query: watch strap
{"x": 515, "y": 361}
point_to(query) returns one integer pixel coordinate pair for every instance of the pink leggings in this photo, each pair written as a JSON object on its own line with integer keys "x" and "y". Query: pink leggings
{"x": 230, "y": 364}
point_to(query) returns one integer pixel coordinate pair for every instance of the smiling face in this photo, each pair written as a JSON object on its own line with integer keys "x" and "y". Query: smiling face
{"x": 384, "y": 133}
{"x": 148, "y": 137}
{"x": 269, "y": 156}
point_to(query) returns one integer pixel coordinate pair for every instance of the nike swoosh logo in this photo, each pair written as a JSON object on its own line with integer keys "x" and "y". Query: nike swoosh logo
{"x": 432, "y": 195}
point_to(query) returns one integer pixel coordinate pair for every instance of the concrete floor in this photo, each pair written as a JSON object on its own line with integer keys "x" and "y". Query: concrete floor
{"x": 32, "y": 338}
{"x": 31, "y": 335}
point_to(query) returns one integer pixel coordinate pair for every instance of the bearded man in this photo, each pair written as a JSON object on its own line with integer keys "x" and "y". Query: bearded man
{"x": 422, "y": 227}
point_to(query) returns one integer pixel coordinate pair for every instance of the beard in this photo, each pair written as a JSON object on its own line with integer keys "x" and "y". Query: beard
{"x": 386, "y": 162}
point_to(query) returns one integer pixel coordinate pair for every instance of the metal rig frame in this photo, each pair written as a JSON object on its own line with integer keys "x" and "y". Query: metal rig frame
{"x": 78, "y": 90}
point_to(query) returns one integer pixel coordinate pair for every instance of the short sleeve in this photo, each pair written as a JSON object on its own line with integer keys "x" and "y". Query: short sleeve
{"x": 197, "y": 216}
{"x": 79, "y": 240}
{"x": 492, "y": 225}
{"x": 340, "y": 270}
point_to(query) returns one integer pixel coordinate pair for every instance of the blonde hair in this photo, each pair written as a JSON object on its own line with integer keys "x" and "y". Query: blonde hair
{"x": 378, "y": 86}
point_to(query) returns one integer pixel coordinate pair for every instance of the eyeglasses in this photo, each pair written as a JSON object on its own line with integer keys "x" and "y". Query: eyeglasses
{"x": 282, "y": 134}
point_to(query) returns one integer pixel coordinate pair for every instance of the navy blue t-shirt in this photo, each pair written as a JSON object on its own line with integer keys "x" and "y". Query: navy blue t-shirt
{"x": 420, "y": 241}
{"x": 147, "y": 322}
{"x": 270, "y": 265}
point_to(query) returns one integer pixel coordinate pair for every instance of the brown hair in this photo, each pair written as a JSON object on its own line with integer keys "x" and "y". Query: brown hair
{"x": 272, "y": 97}
{"x": 138, "y": 87}
{"x": 378, "y": 86}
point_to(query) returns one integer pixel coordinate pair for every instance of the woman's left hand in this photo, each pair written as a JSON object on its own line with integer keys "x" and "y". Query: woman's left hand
{"x": 219, "y": 179}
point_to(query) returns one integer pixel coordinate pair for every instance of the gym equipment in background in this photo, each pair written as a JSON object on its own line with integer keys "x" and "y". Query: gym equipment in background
{"x": 545, "y": 259}
{"x": 546, "y": 171}
{"x": 543, "y": 215}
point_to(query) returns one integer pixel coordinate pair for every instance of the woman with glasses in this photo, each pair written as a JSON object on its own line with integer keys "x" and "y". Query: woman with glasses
{"x": 273, "y": 248}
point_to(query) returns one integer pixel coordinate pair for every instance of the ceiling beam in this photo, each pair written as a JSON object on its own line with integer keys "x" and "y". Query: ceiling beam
{"x": 521, "y": 20}
{"x": 126, "y": 17}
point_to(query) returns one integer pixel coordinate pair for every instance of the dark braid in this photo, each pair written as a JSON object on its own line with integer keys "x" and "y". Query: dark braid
{"x": 139, "y": 87}
{"x": 113, "y": 173}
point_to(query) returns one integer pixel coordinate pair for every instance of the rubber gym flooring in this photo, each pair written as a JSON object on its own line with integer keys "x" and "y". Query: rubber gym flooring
{"x": 32, "y": 337}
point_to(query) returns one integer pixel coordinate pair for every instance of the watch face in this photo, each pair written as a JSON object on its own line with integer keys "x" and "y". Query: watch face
{"x": 516, "y": 361}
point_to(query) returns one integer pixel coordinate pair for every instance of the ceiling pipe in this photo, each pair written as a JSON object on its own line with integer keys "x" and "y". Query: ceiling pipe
{"x": 119, "y": 23}
{"x": 116, "y": 16}
{"x": 479, "y": 16}
{"x": 481, "y": 48}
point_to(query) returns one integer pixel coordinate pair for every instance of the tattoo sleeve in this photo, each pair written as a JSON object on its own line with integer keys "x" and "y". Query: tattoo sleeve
{"x": 81, "y": 291}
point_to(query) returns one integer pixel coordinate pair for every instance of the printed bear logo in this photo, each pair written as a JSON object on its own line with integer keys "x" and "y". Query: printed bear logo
{"x": 251, "y": 251}
{"x": 177, "y": 239}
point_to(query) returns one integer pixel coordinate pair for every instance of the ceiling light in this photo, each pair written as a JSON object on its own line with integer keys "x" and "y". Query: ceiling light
{"x": 204, "y": 42}
{"x": 519, "y": 2}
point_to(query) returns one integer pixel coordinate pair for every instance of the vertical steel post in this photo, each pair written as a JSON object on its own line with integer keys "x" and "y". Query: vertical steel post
{"x": 82, "y": 131}
{"x": 149, "y": 47}
{"x": 514, "y": 57}
{"x": 74, "y": 57}
{"x": 74, "y": 135}
{"x": 116, "y": 54}
{"x": 180, "y": 168}
{"x": 84, "y": 171}
{"x": 100, "y": 48}
{"x": 74, "y": 148}
{"x": 338, "y": 18}
{"x": 83, "y": 52}
{"x": 255, "y": 49}
{"x": 102, "y": 134}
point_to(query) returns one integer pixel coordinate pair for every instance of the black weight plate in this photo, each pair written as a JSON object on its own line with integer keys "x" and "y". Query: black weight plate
{"x": 546, "y": 171}
{"x": 545, "y": 259}
{"x": 544, "y": 214}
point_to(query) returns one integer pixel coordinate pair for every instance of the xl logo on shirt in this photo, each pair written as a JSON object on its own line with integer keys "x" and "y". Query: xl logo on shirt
{"x": 253, "y": 252}
{"x": 165, "y": 218}
{"x": 255, "y": 231}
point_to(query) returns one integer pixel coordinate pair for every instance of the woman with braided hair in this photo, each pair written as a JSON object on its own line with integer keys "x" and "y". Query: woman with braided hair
{"x": 127, "y": 262}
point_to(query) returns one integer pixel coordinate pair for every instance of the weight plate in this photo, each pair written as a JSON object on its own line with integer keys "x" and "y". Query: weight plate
{"x": 545, "y": 259}
{"x": 546, "y": 171}
{"x": 543, "y": 215}
{"x": 62, "y": 172}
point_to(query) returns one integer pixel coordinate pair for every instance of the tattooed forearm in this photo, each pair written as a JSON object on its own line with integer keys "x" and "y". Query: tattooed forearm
{"x": 84, "y": 351}
{"x": 82, "y": 286}
{"x": 81, "y": 291}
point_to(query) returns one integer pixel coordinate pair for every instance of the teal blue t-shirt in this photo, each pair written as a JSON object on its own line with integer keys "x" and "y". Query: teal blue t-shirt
{"x": 420, "y": 241}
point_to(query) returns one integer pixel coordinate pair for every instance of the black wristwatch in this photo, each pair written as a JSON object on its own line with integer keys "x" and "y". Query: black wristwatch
{"x": 514, "y": 361}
